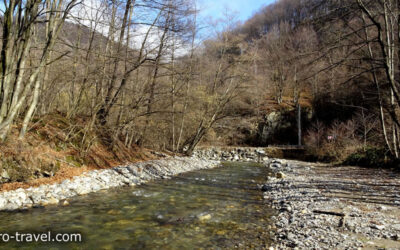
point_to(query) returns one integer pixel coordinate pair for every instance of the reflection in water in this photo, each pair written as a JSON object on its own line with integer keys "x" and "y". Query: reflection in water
{"x": 217, "y": 208}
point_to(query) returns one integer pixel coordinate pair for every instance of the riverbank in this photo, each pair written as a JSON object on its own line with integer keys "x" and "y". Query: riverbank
{"x": 57, "y": 148}
{"x": 92, "y": 181}
{"x": 323, "y": 207}
{"x": 318, "y": 206}
{"x": 248, "y": 154}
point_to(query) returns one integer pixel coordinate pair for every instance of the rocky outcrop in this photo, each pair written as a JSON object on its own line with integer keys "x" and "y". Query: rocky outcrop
{"x": 280, "y": 127}
{"x": 272, "y": 124}
{"x": 231, "y": 153}
{"x": 133, "y": 174}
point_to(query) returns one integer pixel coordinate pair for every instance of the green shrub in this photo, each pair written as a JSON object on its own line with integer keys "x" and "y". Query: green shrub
{"x": 370, "y": 157}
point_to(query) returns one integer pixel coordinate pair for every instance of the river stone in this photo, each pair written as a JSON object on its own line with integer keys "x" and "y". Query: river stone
{"x": 37, "y": 197}
{"x": 50, "y": 201}
{"x": 204, "y": 217}
{"x": 260, "y": 151}
{"x": 280, "y": 175}
{"x": 378, "y": 227}
{"x": 275, "y": 165}
{"x": 82, "y": 190}
{"x": 382, "y": 208}
{"x": 11, "y": 206}
{"x": 3, "y": 202}
{"x": 396, "y": 226}
{"x": 266, "y": 188}
{"x": 291, "y": 236}
{"x": 20, "y": 197}
{"x": 5, "y": 175}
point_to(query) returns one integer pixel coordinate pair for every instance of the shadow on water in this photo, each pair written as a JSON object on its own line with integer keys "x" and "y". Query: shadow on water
{"x": 218, "y": 208}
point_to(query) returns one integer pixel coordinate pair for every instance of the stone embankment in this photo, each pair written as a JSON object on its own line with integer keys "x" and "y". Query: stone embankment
{"x": 96, "y": 180}
{"x": 322, "y": 207}
{"x": 232, "y": 153}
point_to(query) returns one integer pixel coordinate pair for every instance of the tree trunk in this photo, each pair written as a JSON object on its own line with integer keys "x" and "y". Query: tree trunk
{"x": 298, "y": 124}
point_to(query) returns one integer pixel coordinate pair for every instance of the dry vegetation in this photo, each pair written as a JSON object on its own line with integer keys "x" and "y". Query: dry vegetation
{"x": 51, "y": 153}
{"x": 86, "y": 85}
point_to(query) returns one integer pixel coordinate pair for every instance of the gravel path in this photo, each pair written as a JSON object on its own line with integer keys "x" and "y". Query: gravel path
{"x": 322, "y": 207}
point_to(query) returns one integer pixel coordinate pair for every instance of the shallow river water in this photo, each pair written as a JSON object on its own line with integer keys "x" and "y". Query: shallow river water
{"x": 216, "y": 208}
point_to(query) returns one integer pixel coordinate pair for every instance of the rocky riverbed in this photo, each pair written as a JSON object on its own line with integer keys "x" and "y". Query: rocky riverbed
{"x": 319, "y": 207}
{"x": 322, "y": 207}
{"x": 134, "y": 174}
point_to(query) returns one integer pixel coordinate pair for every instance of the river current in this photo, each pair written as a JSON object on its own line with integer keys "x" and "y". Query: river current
{"x": 218, "y": 208}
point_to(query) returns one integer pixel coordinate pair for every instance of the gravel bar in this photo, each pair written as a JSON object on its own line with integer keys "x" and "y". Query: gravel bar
{"x": 322, "y": 207}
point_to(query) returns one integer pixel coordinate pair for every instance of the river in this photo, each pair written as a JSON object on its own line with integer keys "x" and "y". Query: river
{"x": 216, "y": 208}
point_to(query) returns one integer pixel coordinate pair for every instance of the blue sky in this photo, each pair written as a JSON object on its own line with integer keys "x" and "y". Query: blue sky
{"x": 243, "y": 8}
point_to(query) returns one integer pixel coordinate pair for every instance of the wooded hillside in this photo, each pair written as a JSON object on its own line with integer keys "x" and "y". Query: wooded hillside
{"x": 136, "y": 73}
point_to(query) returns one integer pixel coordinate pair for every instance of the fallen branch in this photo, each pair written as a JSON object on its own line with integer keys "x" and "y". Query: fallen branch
{"x": 329, "y": 213}
{"x": 342, "y": 221}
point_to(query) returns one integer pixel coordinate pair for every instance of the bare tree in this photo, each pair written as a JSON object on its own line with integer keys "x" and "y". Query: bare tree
{"x": 15, "y": 51}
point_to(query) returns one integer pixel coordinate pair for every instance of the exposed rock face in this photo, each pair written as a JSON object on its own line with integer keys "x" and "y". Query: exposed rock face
{"x": 232, "y": 154}
{"x": 96, "y": 180}
{"x": 273, "y": 122}
{"x": 280, "y": 126}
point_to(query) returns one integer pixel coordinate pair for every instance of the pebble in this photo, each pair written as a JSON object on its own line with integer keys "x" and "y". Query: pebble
{"x": 295, "y": 197}
{"x": 379, "y": 227}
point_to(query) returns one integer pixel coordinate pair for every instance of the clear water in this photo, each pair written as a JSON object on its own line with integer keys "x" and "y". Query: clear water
{"x": 217, "y": 208}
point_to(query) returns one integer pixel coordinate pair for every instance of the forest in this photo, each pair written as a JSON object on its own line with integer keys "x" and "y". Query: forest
{"x": 95, "y": 81}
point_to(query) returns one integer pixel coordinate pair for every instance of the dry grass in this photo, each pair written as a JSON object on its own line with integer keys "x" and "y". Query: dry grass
{"x": 63, "y": 174}
{"x": 270, "y": 104}
{"x": 58, "y": 149}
